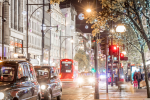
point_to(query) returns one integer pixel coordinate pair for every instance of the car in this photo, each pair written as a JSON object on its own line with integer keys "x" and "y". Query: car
{"x": 18, "y": 81}
{"x": 51, "y": 85}
{"x": 86, "y": 79}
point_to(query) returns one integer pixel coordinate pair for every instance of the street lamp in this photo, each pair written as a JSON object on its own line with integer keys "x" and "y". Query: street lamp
{"x": 66, "y": 37}
{"x": 50, "y": 28}
{"x": 88, "y": 10}
{"x": 42, "y": 5}
{"x": 72, "y": 41}
{"x": 120, "y": 28}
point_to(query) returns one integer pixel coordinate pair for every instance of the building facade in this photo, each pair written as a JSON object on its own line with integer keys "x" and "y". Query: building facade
{"x": 15, "y": 31}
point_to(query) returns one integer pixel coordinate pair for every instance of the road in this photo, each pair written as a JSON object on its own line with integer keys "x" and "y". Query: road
{"x": 71, "y": 91}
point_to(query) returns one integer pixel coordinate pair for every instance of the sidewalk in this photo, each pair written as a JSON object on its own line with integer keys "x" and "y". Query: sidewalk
{"x": 114, "y": 94}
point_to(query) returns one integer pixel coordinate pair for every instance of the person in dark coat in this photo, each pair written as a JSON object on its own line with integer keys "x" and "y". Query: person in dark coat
{"x": 139, "y": 78}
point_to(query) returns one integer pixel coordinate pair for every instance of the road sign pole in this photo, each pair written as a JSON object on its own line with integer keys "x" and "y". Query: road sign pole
{"x": 111, "y": 63}
{"x": 96, "y": 95}
{"x": 106, "y": 49}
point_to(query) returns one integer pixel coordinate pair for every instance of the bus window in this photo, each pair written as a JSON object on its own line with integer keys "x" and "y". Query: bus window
{"x": 66, "y": 67}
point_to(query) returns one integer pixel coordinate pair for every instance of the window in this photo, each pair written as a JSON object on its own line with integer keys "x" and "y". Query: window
{"x": 20, "y": 73}
{"x": 26, "y": 72}
{"x": 6, "y": 73}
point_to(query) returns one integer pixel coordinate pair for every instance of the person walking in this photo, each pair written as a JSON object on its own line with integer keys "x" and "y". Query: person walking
{"x": 135, "y": 82}
{"x": 139, "y": 79}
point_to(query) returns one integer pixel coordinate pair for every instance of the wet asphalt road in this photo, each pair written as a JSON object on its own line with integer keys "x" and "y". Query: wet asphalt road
{"x": 71, "y": 91}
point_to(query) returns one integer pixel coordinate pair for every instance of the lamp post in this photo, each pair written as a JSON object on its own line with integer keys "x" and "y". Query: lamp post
{"x": 120, "y": 29}
{"x": 96, "y": 94}
{"x": 50, "y": 39}
{"x": 63, "y": 41}
{"x": 43, "y": 5}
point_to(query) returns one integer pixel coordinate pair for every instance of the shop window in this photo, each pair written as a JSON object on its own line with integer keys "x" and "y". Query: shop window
{"x": 11, "y": 41}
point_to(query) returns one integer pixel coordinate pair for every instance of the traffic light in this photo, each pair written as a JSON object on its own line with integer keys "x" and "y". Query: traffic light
{"x": 93, "y": 70}
{"x": 121, "y": 55}
{"x": 113, "y": 50}
{"x": 103, "y": 44}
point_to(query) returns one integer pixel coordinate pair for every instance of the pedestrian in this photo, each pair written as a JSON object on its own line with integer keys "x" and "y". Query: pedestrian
{"x": 139, "y": 78}
{"x": 135, "y": 82}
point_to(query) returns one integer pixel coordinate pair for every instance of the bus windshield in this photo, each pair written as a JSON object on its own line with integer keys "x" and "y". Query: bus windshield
{"x": 42, "y": 73}
{"x": 6, "y": 73}
{"x": 66, "y": 67}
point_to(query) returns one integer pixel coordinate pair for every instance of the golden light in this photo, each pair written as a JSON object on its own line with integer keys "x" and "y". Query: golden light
{"x": 72, "y": 41}
{"x": 1, "y": 61}
{"x": 15, "y": 55}
{"x": 112, "y": 31}
{"x": 120, "y": 28}
{"x": 88, "y": 10}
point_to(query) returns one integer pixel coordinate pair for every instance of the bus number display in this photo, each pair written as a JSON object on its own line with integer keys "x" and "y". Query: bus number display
{"x": 68, "y": 71}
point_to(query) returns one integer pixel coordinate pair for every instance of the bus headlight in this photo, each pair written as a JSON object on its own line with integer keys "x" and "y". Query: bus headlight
{"x": 43, "y": 87}
{"x": 1, "y": 95}
{"x": 80, "y": 80}
{"x": 91, "y": 80}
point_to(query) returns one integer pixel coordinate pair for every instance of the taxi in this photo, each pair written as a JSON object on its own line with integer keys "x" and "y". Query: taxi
{"x": 51, "y": 85}
{"x": 18, "y": 80}
{"x": 86, "y": 79}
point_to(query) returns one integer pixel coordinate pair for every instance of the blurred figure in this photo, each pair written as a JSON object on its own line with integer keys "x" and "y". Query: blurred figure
{"x": 139, "y": 78}
{"x": 135, "y": 82}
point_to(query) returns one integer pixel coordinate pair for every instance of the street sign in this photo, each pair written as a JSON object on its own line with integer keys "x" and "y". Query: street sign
{"x": 124, "y": 58}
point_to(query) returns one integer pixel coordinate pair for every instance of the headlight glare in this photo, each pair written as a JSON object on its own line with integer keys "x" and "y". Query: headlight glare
{"x": 43, "y": 87}
{"x": 122, "y": 76}
{"x": 91, "y": 80}
{"x": 80, "y": 80}
{"x": 102, "y": 76}
{"x": 1, "y": 95}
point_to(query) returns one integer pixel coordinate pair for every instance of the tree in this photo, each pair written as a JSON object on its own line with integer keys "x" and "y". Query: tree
{"x": 134, "y": 13}
{"x": 55, "y": 1}
{"x": 82, "y": 59}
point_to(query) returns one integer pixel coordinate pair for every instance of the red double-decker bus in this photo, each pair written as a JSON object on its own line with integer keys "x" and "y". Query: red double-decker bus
{"x": 68, "y": 70}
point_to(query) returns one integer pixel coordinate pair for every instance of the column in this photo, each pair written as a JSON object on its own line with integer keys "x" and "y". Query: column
{"x": 20, "y": 16}
{"x": 12, "y": 14}
{"x": 0, "y": 24}
{"x": 15, "y": 14}
{"x": 6, "y": 24}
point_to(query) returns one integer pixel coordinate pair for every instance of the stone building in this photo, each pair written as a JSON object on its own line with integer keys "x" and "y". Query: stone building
{"x": 15, "y": 28}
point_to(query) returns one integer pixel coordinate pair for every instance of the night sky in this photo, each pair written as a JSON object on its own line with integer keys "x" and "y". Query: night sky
{"x": 81, "y": 8}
